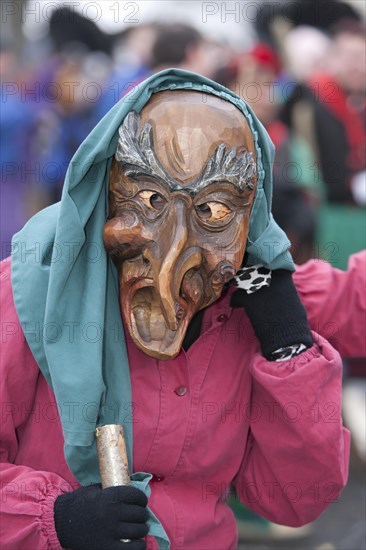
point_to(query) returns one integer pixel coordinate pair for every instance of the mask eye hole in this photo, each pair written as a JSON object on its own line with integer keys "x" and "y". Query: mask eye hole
{"x": 213, "y": 211}
{"x": 153, "y": 200}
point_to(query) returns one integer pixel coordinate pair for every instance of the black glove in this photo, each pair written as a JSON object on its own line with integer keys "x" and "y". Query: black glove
{"x": 92, "y": 518}
{"x": 278, "y": 317}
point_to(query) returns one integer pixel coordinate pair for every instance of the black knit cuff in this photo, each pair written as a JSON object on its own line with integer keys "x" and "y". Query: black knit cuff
{"x": 61, "y": 517}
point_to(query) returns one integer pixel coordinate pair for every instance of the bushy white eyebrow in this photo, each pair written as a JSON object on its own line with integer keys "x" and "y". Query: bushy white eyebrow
{"x": 135, "y": 152}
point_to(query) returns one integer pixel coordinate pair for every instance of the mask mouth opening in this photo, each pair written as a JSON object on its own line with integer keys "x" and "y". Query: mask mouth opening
{"x": 148, "y": 325}
{"x": 149, "y": 318}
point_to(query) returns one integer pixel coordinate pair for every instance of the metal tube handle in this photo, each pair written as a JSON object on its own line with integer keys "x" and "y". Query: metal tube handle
{"x": 112, "y": 457}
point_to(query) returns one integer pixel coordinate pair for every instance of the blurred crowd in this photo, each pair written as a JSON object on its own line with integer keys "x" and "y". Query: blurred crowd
{"x": 306, "y": 83}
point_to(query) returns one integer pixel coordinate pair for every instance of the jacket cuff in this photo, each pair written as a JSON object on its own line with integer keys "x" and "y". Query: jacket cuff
{"x": 321, "y": 351}
{"x": 48, "y": 520}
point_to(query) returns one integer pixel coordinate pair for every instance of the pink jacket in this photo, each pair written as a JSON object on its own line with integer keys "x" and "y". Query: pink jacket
{"x": 218, "y": 414}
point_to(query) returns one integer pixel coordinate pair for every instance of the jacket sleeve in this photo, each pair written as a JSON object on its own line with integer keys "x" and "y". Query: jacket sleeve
{"x": 336, "y": 302}
{"x": 27, "y": 499}
{"x": 27, "y": 495}
{"x": 296, "y": 458}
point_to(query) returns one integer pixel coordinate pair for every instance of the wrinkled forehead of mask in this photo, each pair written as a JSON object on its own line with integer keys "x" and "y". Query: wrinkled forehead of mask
{"x": 187, "y": 129}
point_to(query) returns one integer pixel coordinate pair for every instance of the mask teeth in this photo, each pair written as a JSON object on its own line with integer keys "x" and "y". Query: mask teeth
{"x": 143, "y": 329}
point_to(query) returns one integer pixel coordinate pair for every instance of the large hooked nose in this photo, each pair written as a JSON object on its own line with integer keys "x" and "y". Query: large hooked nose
{"x": 176, "y": 257}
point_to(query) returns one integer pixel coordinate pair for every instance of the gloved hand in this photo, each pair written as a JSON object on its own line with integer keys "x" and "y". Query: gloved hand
{"x": 278, "y": 317}
{"x": 92, "y": 518}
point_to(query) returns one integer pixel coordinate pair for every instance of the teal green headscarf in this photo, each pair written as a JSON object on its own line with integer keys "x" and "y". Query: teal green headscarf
{"x": 66, "y": 291}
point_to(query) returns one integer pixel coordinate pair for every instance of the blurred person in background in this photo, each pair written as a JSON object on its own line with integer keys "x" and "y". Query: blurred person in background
{"x": 328, "y": 108}
{"x": 131, "y": 56}
{"x": 319, "y": 14}
{"x": 67, "y": 26}
{"x": 67, "y": 117}
{"x": 183, "y": 47}
{"x": 18, "y": 177}
{"x": 48, "y": 108}
{"x": 72, "y": 82}
{"x": 305, "y": 50}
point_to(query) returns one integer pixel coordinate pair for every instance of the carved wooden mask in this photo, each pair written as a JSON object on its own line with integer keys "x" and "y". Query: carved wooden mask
{"x": 181, "y": 188}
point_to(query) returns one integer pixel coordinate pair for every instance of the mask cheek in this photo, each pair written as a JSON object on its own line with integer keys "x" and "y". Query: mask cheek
{"x": 229, "y": 248}
{"x": 237, "y": 245}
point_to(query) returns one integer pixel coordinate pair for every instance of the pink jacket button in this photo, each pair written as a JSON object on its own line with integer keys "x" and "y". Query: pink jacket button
{"x": 222, "y": 318}
{"x": 181, "y": 390}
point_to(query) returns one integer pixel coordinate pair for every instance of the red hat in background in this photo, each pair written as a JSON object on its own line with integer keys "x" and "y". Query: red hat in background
{"x": 264, "y": 54}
